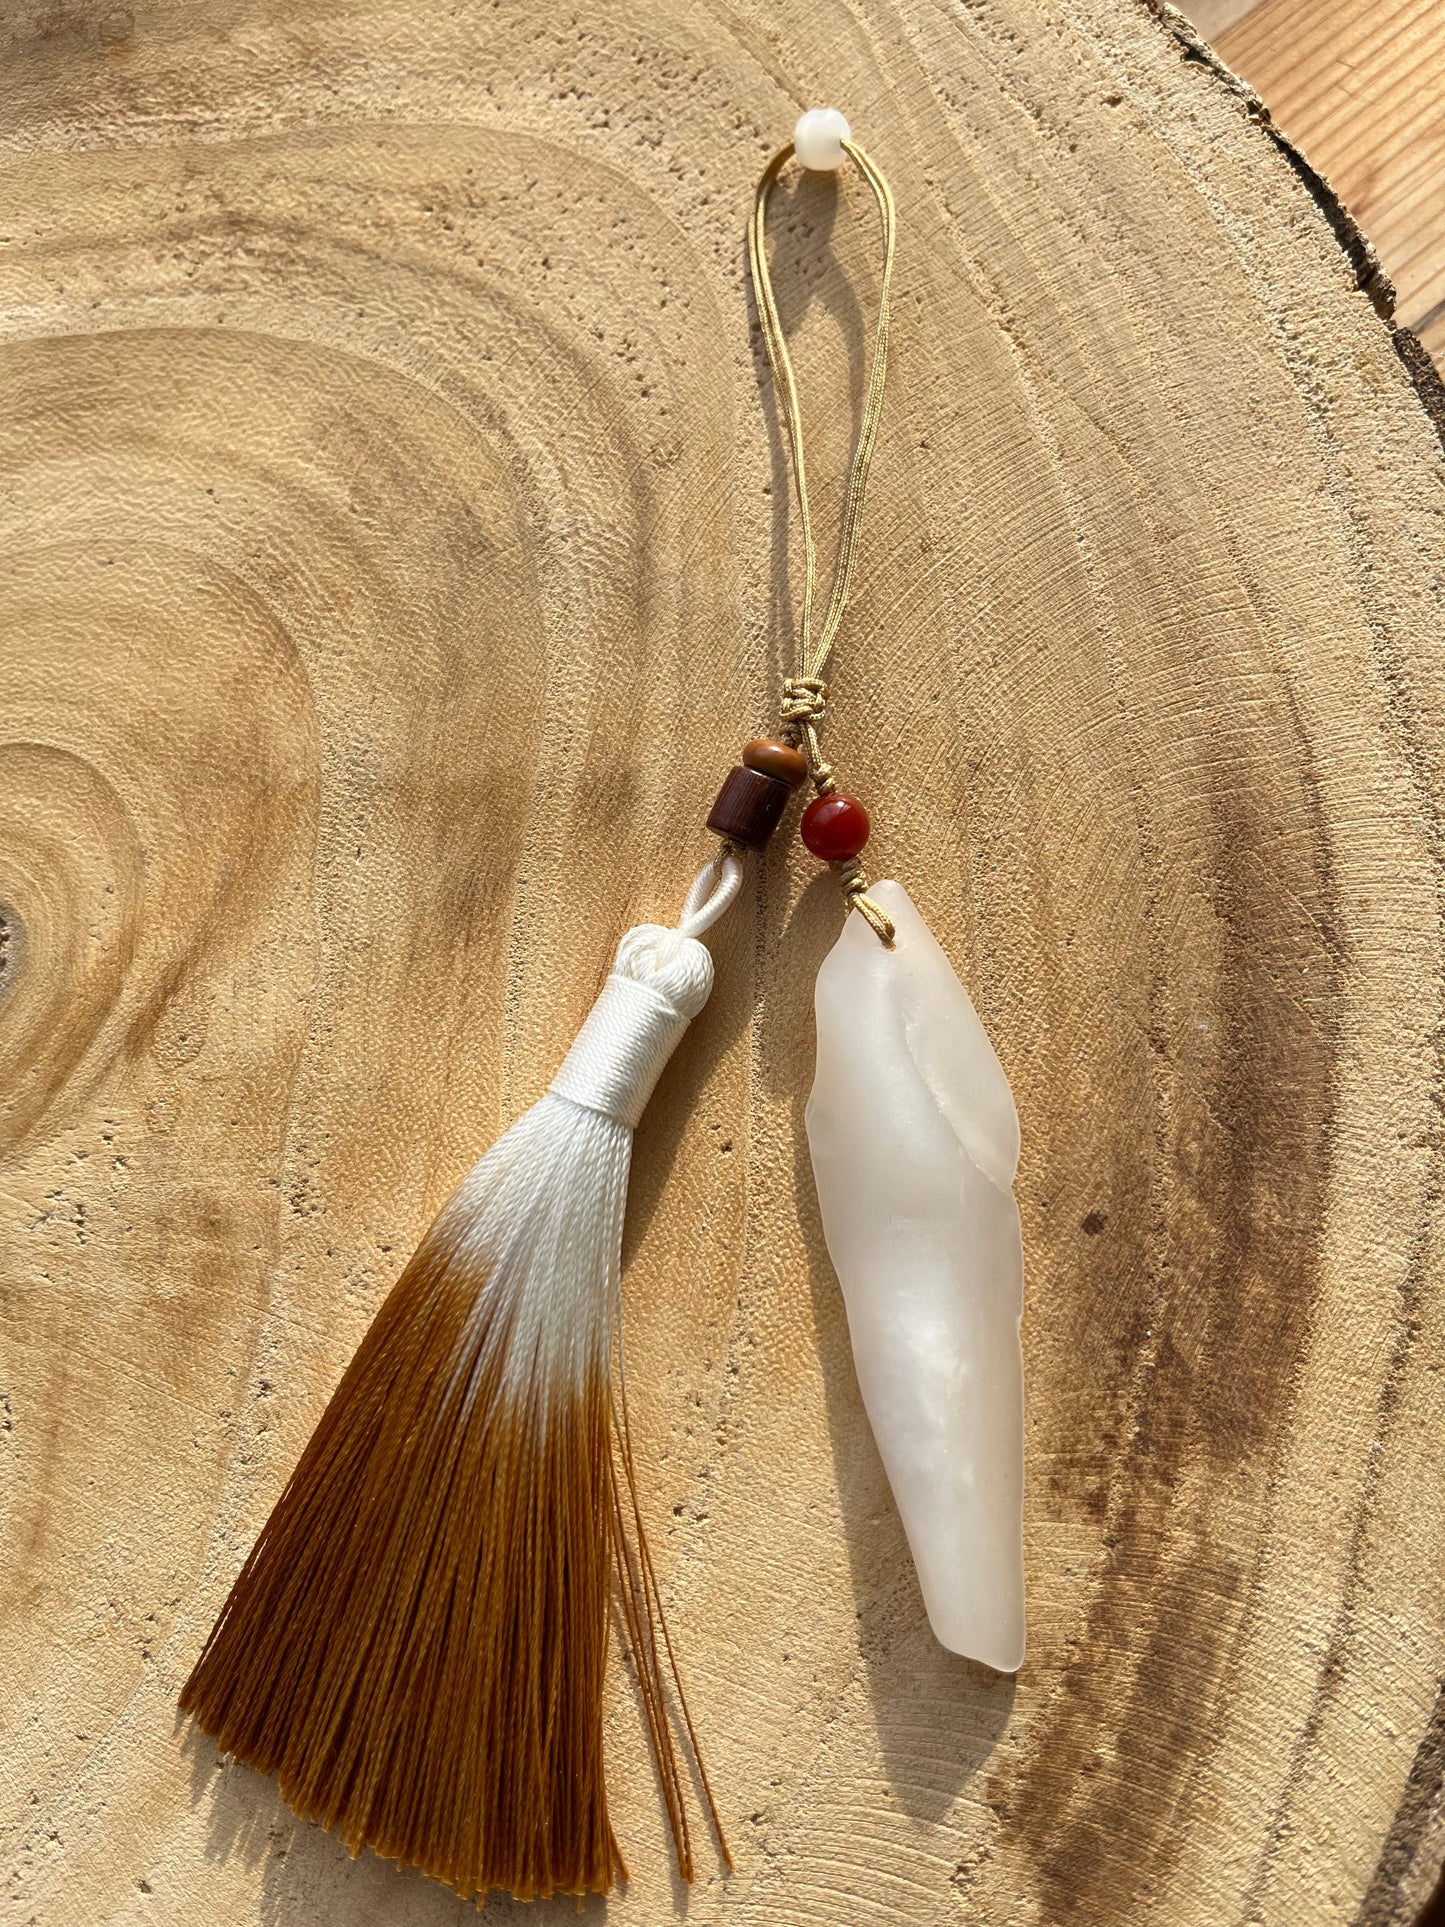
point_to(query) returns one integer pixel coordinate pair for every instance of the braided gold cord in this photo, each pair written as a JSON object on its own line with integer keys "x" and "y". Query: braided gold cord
{"x": 805, "y": 695}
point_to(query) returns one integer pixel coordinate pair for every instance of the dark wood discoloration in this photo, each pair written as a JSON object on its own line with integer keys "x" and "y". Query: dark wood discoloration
{"x": 1407, "y": 1879}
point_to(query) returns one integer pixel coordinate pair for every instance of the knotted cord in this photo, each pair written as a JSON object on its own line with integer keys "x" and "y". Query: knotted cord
{"x": 805, "y": 693}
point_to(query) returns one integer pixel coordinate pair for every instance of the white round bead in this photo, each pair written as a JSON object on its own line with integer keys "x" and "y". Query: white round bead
{"x": 818, "y": 137}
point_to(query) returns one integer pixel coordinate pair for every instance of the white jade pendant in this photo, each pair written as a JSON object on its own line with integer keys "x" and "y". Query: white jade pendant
{"x": 915, "y": 1141}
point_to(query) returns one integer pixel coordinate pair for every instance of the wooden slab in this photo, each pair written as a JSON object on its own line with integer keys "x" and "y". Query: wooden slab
{"x": 1357, "y": 86}
{"x": 394, "y": 559}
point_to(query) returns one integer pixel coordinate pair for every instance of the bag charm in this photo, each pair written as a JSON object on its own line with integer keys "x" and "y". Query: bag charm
{"x": 416, "y": 1645}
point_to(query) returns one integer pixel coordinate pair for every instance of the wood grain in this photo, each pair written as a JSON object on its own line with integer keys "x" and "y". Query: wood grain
{"x": 1358, "y": 87}
{"x": 394, "y": 561}
{"x": 1212, "y": 17}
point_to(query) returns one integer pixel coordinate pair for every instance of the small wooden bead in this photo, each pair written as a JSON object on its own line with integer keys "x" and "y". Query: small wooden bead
{"x": 772, "y": 758}
{"x": 748, "y": 807}
{"x": 835, "y": 827}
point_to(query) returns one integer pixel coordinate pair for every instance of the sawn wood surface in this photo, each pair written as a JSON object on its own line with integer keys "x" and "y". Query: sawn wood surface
{"x": 394, "y": 538}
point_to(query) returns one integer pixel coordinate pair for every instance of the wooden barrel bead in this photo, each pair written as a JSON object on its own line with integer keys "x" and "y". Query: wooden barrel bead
{"x": 771, "y": 758}
{"x": 748, "y": 807}
{"x": 835, "y": 827}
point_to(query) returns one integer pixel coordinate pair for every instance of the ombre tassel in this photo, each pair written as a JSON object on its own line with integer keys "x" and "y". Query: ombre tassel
{"x": 416, "y": 1646}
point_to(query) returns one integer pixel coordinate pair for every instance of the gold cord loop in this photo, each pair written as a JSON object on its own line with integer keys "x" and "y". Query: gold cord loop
{"x": 854, "y": 879}
{"x": 805, "y": 695}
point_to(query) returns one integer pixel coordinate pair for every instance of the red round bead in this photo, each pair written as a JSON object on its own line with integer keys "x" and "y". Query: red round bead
{"x": 835, "y": 827}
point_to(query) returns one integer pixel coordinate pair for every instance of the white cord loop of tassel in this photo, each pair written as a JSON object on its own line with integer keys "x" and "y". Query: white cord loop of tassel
{"x": 659, "y": 982}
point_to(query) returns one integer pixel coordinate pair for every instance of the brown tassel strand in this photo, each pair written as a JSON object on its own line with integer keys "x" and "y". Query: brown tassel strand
{"x": 416, "y": 1645}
